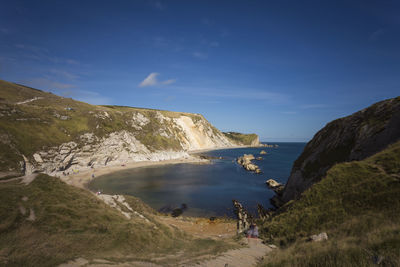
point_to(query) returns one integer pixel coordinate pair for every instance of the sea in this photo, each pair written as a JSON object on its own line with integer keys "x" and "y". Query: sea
{"x": 206, "y": 189}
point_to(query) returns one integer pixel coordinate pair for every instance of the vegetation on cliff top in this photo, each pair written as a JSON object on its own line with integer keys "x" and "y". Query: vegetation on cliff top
{"x": 357, "y": 204}
{"x": 242, "y": 139}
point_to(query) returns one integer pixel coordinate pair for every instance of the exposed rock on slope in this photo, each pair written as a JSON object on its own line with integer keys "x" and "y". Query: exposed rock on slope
{"x": 40, "y": 131}
{"x": 355, "y": 137}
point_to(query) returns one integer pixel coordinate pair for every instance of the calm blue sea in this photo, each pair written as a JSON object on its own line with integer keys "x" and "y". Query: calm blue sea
{"x": 208, "y": 189}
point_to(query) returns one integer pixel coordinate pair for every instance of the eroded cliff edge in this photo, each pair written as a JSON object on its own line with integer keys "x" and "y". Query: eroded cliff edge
{"x": 354, "y": 137}
{"x": 40, "y": 131}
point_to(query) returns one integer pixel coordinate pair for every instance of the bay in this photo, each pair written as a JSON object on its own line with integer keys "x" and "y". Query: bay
{"x": 207, "y": 189}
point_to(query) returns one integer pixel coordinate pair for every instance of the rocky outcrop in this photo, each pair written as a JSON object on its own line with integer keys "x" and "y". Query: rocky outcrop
{"x": 93, "y": 152}
{"x": 318, "y": 238}
{"x": 245, "y": 161}
{"x": 350, "y": 138}
{"x": 271, "y": 183}
{"x": 263, "y": 152}
{"x": 243, "y": 217}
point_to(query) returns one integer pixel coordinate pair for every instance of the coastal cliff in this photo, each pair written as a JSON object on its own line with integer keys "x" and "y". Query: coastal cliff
{"x": 40, "y": 131}
{"x": 354, "y": 137}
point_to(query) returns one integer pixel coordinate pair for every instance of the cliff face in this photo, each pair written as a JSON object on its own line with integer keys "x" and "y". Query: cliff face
{"x": 355, "y": 137}
{"x": 44, "y": 132}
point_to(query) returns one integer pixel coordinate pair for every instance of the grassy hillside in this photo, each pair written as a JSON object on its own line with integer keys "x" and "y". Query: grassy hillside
{"x": 32, "y": 120}
{"x": 241, "y": 139}
{"x": 354, "y": 137}
{"x": 72, "y": 223}
{"x": 357, "y": 204}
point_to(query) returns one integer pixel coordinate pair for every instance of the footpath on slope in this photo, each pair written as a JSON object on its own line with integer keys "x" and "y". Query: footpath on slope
{"x": 242, "y": 257}
{"x": 246, "y": 256}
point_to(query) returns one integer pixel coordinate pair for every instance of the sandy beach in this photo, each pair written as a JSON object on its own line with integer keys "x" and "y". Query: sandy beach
{"x": 82, "y": 178}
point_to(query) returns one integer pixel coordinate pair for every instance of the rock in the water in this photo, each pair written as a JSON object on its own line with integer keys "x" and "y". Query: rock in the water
{"x": 259, "y": 158}
{"x": 318, "y": 238}
{"x": 263, "y": 152}
{"x": 272, "y": 183}
{"x": 245, "y": 161}
{"x": 176, "y": 212}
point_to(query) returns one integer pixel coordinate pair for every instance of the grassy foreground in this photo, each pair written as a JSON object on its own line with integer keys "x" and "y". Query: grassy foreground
{"x": 357, "y": 204}
{"x": 71, "y": 222}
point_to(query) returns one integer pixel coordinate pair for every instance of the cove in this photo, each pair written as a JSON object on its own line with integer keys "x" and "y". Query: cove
{"x": 207, "y": 189}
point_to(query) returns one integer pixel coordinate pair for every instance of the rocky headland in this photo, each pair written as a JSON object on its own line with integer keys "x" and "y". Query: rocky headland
{"x": 42, "y": 132}
{"x": 354, "y": 137}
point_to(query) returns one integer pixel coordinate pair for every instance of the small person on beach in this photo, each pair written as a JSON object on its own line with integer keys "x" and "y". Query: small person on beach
{"x": 92, "y": 175}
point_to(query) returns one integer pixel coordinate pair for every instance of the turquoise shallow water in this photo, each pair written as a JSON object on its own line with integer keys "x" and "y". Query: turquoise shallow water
{"x": 208, "y": 189}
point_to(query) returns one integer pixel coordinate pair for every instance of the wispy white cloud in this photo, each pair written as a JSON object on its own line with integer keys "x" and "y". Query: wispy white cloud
{"x": 64, "y": 74}
{"x": 91, "y": 97}
{"x": 376, "y": 35}
{"x": 233, "y": 93}
{"x": 47, "y": 84}
{"x": 208, "y": 43}
{"x": 207, "y": 21}
{"x": 157, "y": 4}
{"x": 41, "y": 53}
{"x": 289, "y": 112}
{"x": 200, "y": 55}
{"x": 151, "y": 80}
{"x": 213, "y": 44}
{"x": 170, "y": 81}
{"x": 312, "y": 106}
{"x": 4, "y": 30}
{"x": 67, "y": 90}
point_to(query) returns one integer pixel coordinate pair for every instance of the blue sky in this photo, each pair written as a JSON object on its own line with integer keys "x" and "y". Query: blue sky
{"x": 281, "y": 69}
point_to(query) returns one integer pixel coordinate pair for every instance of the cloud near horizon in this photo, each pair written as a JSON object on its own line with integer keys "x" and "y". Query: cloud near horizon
{"x": 311, "y": 106}
{"x": 151, "y": 80}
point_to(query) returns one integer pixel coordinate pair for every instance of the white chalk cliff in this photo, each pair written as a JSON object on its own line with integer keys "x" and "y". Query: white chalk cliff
{"x": 40, "y": 131}
{"x": 123, "y": 147}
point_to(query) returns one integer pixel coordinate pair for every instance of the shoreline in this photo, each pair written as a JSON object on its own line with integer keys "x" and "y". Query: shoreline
{"x": 219, "y": 148}
{"x": 82, "y": 178}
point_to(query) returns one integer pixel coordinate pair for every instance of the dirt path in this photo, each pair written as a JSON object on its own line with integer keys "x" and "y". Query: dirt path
{"x": 26, "y": 179}
{"x": 243, "y": 257}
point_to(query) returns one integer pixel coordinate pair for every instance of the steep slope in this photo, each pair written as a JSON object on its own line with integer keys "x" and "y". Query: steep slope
{"x": 355, "y": 137}
{"x": 52, "y": 134}
{"x": 49, "y": 222}
{"x": 357, "y": 204}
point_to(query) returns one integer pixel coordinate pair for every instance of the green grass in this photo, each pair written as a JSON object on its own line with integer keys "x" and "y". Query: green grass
{"x": 72, "y": 223}
{"x": 241, "y": 139}
{"x": 357, "y": 204}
